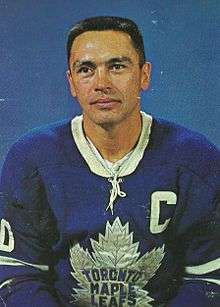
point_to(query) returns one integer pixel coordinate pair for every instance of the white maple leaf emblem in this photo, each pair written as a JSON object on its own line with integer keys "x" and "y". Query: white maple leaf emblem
{"x": 114, "y": 274}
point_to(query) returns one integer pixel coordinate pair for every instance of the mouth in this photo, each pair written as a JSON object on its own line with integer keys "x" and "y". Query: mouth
{"x": 105, "y": 103}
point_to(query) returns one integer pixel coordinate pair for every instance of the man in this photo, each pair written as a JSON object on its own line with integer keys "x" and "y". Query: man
{"x": 113, "y": 208}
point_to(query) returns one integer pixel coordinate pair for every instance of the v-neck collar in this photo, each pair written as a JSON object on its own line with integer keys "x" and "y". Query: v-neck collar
{"x": 92, "y": 159}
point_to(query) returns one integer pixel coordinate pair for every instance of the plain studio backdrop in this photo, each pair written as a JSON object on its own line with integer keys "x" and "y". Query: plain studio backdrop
{"x": 181, "y": 40}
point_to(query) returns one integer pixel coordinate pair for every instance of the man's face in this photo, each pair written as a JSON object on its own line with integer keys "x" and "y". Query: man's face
{"x": 105, "y": 76}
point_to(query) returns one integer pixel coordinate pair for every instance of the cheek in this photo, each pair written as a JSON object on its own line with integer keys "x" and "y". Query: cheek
{"x": 128, "y": 85}
{"x": 121, "y": 80}
{"x": 82, "y": 88}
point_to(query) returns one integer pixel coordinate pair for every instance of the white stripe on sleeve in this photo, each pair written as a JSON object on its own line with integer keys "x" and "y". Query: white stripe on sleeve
{"x": 17, "y": 262}
{"x": 203, "y": 268}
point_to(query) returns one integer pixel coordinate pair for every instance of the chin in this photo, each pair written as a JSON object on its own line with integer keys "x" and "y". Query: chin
{"x": 106, "y": 123}
{"x": 106, "y": 119}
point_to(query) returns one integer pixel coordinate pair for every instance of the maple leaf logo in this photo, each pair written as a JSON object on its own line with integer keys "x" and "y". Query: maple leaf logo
{"x": 114, "y": 274}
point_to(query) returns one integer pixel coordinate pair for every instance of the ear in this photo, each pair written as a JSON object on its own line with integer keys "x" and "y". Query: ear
{"x": 145, "y": 76}
{"x": 71, "y": 83}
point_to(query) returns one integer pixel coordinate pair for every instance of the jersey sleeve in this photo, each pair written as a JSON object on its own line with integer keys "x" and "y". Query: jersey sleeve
{"x": 201, "y": 277}
{"x": 198, "y": 241}
{"x": 27, "y": 234}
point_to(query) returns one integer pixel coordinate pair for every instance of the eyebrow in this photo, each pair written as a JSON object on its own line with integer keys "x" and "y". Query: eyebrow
{"x": 120, "y": 59}
{"x": 79, "y": 63}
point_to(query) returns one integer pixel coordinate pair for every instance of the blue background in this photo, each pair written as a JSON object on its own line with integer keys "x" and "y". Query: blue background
{"x": 180, "y": 40}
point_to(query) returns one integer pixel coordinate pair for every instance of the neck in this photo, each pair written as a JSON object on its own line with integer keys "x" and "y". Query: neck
{"x": 114, "y": 141}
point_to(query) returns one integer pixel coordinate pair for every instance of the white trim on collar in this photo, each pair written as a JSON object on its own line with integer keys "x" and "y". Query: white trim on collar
{"x": 94, "y": 163}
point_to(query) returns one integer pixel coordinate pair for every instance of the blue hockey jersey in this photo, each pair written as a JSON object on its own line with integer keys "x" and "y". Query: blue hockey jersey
{"x": 75, "y": 232}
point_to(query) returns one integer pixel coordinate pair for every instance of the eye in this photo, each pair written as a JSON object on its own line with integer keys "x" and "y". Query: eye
{"x": 117, "y": 67}
{"x": 84, "y": 70}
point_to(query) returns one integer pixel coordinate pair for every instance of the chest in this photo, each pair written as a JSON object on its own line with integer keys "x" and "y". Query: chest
{"x": 79, "y": 198}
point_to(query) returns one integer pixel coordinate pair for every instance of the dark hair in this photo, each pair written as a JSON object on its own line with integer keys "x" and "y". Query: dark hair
{"x": 103, "y": 23}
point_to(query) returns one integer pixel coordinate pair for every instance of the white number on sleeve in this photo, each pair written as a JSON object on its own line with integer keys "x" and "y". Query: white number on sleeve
{"x": 6, "y": 237}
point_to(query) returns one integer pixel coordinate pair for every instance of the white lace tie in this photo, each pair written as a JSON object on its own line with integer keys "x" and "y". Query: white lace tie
{"x": 115, "y": 191}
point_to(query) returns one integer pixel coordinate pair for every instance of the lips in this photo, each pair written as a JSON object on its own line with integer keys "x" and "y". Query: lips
{"x": 105, "y": 103}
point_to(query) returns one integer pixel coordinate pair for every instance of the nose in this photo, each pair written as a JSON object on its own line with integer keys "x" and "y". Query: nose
{"x": 102, "y": 80}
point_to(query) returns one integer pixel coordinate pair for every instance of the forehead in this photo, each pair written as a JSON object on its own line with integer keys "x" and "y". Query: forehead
{"x": 102, "y": 44}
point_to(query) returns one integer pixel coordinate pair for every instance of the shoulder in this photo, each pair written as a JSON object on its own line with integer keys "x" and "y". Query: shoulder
{"x": 44, "y": 135}
{"x": 174, "y": 134}
{"x": 40, "y": 145}
{"x": 186, "y": 148}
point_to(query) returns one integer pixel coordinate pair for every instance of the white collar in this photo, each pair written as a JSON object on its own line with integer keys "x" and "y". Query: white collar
{"x": 112, "y": 167}
{"x": 94, "y": 162}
